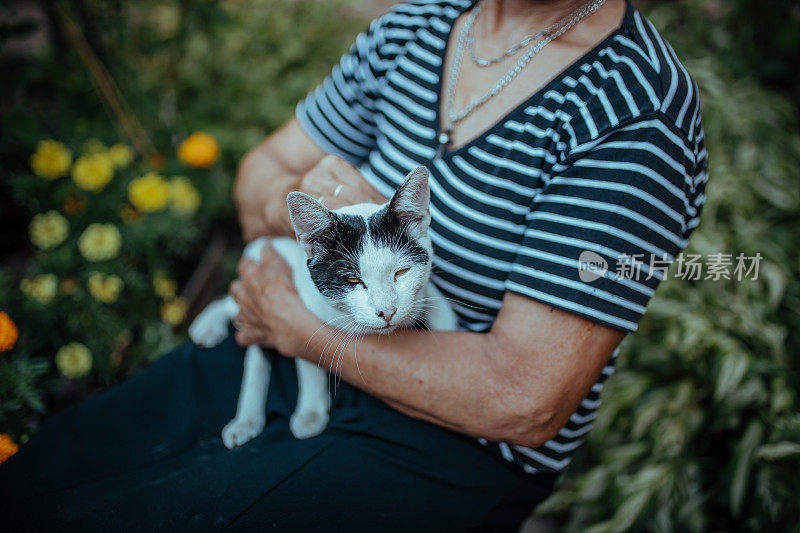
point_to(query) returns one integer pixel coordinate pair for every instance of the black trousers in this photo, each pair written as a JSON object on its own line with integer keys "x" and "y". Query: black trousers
{"x": 147, "y": 456}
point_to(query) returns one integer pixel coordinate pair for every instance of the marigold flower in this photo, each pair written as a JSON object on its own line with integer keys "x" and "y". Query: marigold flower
{"x": 104, "y": 288}
{"x": 51, "y": 159}
{"x": 173, "y": 312}
{"x": 8, "y": 333}
{"x": 199, "y": 150}
{"x": 120, "y": 155}
{"x": 164, "y": 286}
{"x": 99, "y": 242}
{"x": 74, "y": 360}
{"x": 92, "y": 172}
{"x": 149, "y": 193}
{"x": 41, "y": 288}
{"x": 48, "y": 230}
{"x": 185, "y": 198}
{"x": 7, "y": 447}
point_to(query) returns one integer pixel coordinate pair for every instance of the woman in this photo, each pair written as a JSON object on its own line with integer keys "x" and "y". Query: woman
{"x": 558, "y": 133}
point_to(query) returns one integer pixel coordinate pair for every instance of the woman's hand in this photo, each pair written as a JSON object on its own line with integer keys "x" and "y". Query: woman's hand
{"x": 271, "y": 313}
{"x": 336, "y": 183}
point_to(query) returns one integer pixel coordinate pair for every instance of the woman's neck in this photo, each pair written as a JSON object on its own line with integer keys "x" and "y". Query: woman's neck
{"x": 509, "y": 17}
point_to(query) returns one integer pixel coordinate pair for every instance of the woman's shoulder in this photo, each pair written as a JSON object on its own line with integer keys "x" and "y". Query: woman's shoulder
{"x": 641, "y": 76}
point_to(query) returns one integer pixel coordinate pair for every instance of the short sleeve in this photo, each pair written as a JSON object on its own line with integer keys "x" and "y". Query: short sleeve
{"x": 340, "y": 114}
{"x": 609, "y": 220}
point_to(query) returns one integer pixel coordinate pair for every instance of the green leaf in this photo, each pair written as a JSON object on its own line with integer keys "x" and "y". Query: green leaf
{"x": 743, "y": 458}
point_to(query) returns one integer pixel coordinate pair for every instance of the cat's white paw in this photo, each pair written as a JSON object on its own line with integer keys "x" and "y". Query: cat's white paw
{"x": 208, "y": 330}
{"x": 241, "y": 430}
{"x": 308, "y": 423}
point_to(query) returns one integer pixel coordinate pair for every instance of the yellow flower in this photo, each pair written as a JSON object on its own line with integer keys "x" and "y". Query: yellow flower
{"x": 51, "y": 159}
{"x": 7, "y": 447}
{"x": 48, "y": 230}
{"x": 185, "y": 198}
{"x": 92, "y": 171}
{"x": 164, "y": 286}
{"x": 120, "y": 155}
{"x": 74, "y": 360}
{"x": 199, "y": 150}
{"x": 104, "y": 288}
{"x": 99, "y": 242}
{"x": 149, "y": 193}
{"x": 8, "y": 333}
{"x": 41, "y": 288}
{"x": 173, "y": 312}
{"x": 93, "y": 146}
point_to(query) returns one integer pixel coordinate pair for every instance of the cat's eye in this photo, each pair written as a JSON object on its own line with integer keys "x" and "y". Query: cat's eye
{"x": 354, "y": 281}
{"x": 401, "y": 272}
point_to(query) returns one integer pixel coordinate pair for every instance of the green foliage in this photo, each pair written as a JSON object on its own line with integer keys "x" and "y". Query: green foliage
{"x": 121, "y": 331}
{"x": 699, "y": 429}
{"x": 235, "y": 68}
{"x": 232, "y": 68}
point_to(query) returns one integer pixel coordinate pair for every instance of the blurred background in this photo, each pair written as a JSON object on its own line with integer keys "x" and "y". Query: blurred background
{"x": 121, "y": 125}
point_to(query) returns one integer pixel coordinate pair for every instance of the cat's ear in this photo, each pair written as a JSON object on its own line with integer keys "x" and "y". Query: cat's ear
{"x": 309, "y": 218}
{"x": 410, "y": 202}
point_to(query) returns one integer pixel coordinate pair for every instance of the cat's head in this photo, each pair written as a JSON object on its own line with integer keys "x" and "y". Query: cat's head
{"x": 369, "y": 261}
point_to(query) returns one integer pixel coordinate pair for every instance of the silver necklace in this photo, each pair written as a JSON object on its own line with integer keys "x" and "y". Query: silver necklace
{"x": 508, "y": 53}
{"x": 454, "y": 117}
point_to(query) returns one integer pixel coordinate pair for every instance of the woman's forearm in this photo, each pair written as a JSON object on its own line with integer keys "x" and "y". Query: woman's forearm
{"x": 458, "y": 380}
{"x": 262, "y": 184}
{"x": 267, "y": 174}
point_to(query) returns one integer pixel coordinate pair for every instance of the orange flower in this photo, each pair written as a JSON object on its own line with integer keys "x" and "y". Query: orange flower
{"x": 199, "y": 150}
{"x": 8, "y": 333}
{"x": 7, "y": 447}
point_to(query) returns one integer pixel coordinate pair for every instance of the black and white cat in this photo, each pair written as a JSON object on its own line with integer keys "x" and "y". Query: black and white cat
{"x": 363, "y": 268}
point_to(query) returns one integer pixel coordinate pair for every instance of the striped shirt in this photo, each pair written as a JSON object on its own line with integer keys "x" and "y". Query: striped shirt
{"x": 604, "y": 164}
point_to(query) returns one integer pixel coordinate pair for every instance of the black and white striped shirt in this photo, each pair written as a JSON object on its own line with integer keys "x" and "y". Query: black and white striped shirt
{"x": 607, "y": 158}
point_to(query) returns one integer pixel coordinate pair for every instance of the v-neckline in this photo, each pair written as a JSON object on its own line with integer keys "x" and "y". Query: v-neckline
{"x": 572, "y": 68}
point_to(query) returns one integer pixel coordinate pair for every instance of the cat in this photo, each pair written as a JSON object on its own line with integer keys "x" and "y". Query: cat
{"x": 364, "y": 268}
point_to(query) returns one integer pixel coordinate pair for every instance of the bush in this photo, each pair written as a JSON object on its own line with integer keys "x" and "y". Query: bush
{"x": 232, "y": 68}
{"x": 699, "y": 429}
{"x": 98, "y": 298}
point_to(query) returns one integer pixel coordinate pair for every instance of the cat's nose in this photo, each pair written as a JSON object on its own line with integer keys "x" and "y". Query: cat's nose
{"x": 387, "y": 314}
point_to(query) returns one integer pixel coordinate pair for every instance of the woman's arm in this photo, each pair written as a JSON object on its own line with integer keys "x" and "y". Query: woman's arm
{"x": 266, "y": 174}
{"x": 289, "y": 160}
{"x": 516, "y": 383}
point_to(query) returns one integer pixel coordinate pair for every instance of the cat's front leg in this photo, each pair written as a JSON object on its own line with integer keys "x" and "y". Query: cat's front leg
{"x": 211, "y": 326}
{"x": 250, "y": 411}
{"x": 311, "y": 415}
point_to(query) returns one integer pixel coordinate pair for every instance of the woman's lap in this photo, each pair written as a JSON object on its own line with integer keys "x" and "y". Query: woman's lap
{"x": 147, "y": 455}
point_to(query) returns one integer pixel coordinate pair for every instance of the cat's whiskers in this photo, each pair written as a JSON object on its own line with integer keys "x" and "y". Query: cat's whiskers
{"x": 453, "y": 300}
{"x": 352, "y": 331}
{"x": 355, "y": 353}
{"x": 331, "y": 338}
{"x": 328, "y": 323}
{"x": 425, "y": 325}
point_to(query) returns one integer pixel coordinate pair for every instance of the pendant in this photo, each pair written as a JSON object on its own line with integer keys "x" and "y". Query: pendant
{"x": 444, "y": 142}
